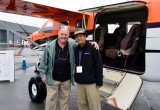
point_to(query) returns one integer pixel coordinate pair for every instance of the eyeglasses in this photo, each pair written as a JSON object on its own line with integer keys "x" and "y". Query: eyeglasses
{"x": 61, "y": 55}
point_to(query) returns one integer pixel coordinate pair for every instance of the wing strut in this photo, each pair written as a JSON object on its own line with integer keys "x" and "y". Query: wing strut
{"x": 84, "y": 22}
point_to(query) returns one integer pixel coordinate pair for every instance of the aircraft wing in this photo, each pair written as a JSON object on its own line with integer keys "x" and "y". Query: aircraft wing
{"x": 30, "y": 8}
{"x": 36, "y": 10}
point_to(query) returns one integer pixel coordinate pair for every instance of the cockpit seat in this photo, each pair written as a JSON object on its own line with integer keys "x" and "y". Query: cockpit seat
{"x": 128, "y": 45}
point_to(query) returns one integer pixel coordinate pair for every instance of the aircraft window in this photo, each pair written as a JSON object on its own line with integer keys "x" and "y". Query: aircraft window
{"x": 80, "y": 23}
{"x": 97, "y": 25}
{"x": 48, "y": 28}
{"x": 64, "y": 24}
{"x": 112, "y": 27}
{"x": 130, "y": 24}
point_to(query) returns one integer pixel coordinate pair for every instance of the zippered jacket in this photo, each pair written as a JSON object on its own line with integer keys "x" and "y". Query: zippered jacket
{"x": 46, "y": 66}
{"x": 91, "y": 62}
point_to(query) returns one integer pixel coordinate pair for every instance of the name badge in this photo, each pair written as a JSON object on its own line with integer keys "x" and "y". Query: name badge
{"x": 79, "y": 69}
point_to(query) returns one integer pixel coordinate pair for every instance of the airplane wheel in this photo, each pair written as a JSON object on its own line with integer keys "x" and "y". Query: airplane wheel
{"x": 37, "y": 90}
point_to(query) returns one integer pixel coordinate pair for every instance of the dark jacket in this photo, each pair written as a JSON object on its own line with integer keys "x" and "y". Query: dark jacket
{"x": 91, "y": 63}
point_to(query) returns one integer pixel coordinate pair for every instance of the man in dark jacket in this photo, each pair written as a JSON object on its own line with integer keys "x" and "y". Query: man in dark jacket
{"x": 88, "y": 74}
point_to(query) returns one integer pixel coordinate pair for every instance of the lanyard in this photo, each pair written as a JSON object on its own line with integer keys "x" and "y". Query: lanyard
{"x": 80, "y": 56}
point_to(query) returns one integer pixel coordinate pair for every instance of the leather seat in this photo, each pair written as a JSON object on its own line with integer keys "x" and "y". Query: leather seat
{"x": 100, "y": 33}
{"x": 128, "y": 44}
{"x": 116, "y": 38}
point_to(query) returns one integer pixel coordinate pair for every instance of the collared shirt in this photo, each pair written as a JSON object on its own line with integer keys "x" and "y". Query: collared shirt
{"x": 62, "y": 66}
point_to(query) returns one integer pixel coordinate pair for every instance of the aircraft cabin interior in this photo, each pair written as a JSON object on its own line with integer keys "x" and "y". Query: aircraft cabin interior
{"x": 121, "y": 36}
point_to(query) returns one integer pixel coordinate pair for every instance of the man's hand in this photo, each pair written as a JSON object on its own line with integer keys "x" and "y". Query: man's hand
{"x": 98, "y": 87}
{"x": 44, "y": 80}
{"x": 95, "y": 45}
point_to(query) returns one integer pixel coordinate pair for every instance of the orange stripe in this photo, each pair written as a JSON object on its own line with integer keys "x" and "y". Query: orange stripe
{"x": 115, "y": 102}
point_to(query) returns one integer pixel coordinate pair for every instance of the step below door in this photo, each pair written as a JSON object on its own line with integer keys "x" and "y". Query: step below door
{"x": 119, "y": 88}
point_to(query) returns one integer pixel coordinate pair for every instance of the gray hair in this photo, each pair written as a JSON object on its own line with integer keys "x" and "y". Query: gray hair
{"x": 64, "y": 27}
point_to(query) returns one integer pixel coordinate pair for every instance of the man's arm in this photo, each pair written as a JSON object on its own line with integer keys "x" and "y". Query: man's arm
{"x": 93, "y": 43}
{"x": 42, "y": 68}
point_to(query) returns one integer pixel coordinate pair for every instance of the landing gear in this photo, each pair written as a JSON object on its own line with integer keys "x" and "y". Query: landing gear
{"x": 37, "y": 89}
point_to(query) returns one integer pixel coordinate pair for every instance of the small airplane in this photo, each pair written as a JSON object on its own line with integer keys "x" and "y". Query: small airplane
{"x": 126, "y": 31}
{"x": 49, "y": 30}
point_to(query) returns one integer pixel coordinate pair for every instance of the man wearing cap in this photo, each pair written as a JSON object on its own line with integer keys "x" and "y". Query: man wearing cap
{"x": 57, "y": 68}
{"x": 88, "y": 75}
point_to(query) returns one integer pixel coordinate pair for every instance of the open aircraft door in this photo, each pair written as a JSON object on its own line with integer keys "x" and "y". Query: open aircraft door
{"x": 121, "y": 82}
